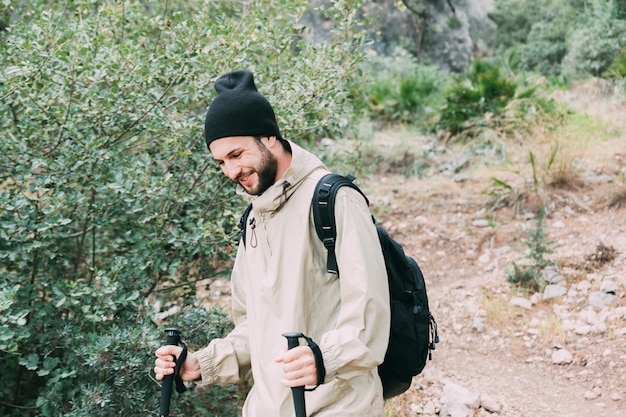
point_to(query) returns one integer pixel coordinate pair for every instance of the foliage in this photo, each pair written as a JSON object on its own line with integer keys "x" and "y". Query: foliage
{"x": 545, "y": 47}
{"x": 536, "y": 31}
{"x": 484, "y": 91}
{"x": 561, "y": 37}
{"x": 108, "y": 199}
{"x": 396, "y": 89}
{"x": 617, "y": 69}
{"x": 528, "y": 275}
{"x": 594, "y": 45}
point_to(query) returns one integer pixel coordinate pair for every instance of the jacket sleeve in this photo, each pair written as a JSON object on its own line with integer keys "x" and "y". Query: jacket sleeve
{"x": 227, "y": 361}
{"x": 359, "y": 340}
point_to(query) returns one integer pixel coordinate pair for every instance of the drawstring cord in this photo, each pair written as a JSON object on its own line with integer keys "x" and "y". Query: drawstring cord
{"x": 283, "y": 195}
{"x": 253, "y": 241}
{"x": 252, "y": 221}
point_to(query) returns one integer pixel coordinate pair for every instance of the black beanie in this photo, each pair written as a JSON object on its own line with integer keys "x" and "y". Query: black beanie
{"x": 239, "y": 109}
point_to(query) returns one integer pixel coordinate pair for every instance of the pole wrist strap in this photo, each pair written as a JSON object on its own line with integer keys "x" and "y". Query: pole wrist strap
{"x": 180, "y": 386}
{"x": 319, "y": 362}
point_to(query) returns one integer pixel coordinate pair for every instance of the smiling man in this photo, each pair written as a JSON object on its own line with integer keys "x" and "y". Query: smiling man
{"x": 279, "y": 279}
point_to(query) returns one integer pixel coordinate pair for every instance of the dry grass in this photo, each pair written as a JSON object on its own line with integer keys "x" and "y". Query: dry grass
{"x": 552, "y": 331}
{"x": 618, "y": 196}
{"x": 499, "y": 312}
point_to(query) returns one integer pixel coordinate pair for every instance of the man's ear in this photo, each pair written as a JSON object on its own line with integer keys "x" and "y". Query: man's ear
{"x": 270, "y": 141}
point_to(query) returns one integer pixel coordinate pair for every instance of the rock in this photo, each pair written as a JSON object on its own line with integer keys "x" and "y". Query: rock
{"x": 620, "y": 312}
{"x": 462, "y": 177}
{"x": 562, "y": 357}
{"x": 551, "y": 275}
{"x": 451, "y": 48}
{"x": 480, "y": 223}
{"x": 453, "y": 393}
{"x": 490, "y": 404}
{"x": 431, "y": 408}
{"x": 554, "y": 291}
{"x": 479, "y": 324}
{"x": 521, "y": 302}
{"x": 609, "y": 287}
{"x": 588, "y": 315}
{"x": 484, "y": 258}
{"x": 591, "y": 395}
{"x": 598, "y": 327}
{"x": 583, "y": 285}
{"x": 582, "y": 330}
{"x": 536, "y": 298}
{"x": 601, "y": 299}
{"x": 455, "y": 409}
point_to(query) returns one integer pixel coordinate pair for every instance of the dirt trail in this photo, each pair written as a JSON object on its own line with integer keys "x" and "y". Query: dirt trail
{"x": 465, "y": 251}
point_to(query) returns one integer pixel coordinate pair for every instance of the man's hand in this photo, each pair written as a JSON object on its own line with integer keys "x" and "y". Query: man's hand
{"x": 298, "y": 367}
{"x": 164, "y": 363}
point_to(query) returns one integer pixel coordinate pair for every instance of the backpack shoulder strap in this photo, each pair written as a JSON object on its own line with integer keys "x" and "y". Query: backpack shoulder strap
{"x": 323, "y": 205}
{"x": 242, "y": 223}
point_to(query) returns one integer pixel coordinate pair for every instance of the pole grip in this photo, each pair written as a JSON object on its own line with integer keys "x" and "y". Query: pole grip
{"x": 293, "y": 340}
{"x": 172, "y": 338}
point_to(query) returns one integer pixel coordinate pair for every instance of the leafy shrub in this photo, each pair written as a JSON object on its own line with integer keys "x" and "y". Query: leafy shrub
{"x": 491, "y": 101}
{"x": 514, "y": 19}
{"x": 107, "y": 194}
{"x": 536, "y": 31}
{"x": 397, "y": 89}
{"x": 593, "y": 49}
{"x": 482, "y": 91}
{"x": 596, "y": 40}
{"x": 528, "y": 275}
{"x": 545, "y": 47}
{"x": 617, "y": 70}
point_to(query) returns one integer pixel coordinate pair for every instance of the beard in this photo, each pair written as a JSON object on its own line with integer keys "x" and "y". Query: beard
{"x": 266, "y": 171}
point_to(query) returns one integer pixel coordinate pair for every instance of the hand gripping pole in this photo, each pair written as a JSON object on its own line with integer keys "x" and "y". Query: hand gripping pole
{"x": 172, "y": 338}
{"x": 297, "y": 392}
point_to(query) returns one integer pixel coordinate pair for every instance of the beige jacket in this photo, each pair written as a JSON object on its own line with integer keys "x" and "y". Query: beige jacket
{"x": 280, "y": 284}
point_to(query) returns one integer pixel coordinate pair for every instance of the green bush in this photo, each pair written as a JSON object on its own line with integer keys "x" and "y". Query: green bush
{"x": 593, "y": 48}
{"x": 109, "y": 200}
{"x": 545, "y": 48}
{"x": 617, "y": 70}
{"x": 490, "y": 99}
{"x": 528, "y": 275}
{"x": 483, "y": 90}
{"x": 397, "y": 89}
{"x": 575, "y": 38}
{"x": 536, "y": 31}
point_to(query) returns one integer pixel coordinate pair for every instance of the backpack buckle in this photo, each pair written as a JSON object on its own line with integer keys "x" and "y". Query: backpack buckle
{"x": 329, "y": 242}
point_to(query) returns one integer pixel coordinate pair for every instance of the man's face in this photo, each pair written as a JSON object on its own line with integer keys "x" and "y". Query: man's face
{"x": 246, "y": 161}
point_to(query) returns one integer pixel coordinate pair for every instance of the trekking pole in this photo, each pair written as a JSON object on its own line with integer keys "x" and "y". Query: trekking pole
{"x": 173, "y": 338}
{"x": 296, "y": 392}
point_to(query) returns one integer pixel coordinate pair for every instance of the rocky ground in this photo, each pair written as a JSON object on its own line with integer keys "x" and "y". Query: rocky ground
{"x": 507, "y": 352}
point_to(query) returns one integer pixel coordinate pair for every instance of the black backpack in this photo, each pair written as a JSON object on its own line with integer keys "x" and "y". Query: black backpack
{"x": 413, "y": 332}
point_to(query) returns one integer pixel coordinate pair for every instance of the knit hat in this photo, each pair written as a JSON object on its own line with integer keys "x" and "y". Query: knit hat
{"x": 239, "y": 109}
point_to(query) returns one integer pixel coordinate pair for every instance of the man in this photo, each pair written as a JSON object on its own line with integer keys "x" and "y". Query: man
{"x": 279, "y": 279}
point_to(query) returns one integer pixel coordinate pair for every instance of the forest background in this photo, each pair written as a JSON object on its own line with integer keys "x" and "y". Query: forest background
{"x": 111, "y": 211}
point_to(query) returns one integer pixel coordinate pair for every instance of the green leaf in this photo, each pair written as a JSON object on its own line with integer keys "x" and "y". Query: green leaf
{"x": 30, "y": 362}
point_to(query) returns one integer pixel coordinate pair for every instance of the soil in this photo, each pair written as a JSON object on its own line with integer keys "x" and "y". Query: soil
{"x": 466, "y": 241}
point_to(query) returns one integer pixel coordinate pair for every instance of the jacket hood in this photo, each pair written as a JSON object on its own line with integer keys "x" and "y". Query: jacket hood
{"x": 303, "y": 163}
